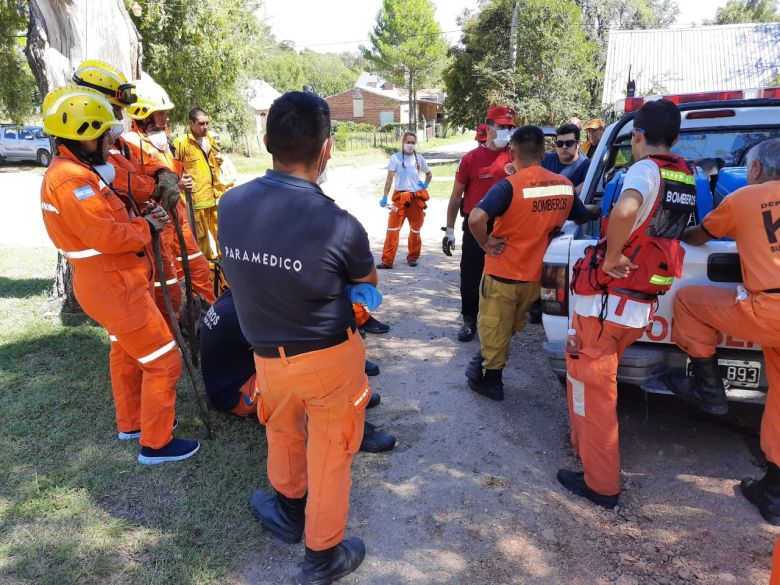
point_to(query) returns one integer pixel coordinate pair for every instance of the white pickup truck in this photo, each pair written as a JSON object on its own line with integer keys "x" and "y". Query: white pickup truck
{"x": 714, "y": 134}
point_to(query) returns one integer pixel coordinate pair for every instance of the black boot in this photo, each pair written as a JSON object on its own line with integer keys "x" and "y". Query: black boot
{"x": 574, "y": 481}
{"x": 764, "y": 493}
{"x": 374, "y": 400}
{"x": 705, "y": 388}
{"x": 490, "y": 385}
{"x": 372, "y": 369}
{"x": 283, "y": 517}
{"x": 535, "y": 313}
{"x": 468, "y": 330}
{"x": 376, "y": 441}
{"x": 322, "y": 567}
{"x": 474, "y": 369}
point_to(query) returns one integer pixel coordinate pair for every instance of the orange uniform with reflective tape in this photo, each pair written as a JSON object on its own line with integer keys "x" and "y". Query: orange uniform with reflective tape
{"x": 751, "y": 216}
{"x": 408, "y": 206}
{"x": 106, "y": 246}
{"x": 131, "y": 181}
{"x": 151, "y": 159}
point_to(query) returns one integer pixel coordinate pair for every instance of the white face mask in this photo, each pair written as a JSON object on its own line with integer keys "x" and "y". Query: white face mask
{"x": 159, "y": 139}
{"x": 502, "y": 138}
{"x": 409, "y": 148}
{"x": 322, "y": 178}
{"x": 116, "y": 130}
{"x": 106, "y": 172}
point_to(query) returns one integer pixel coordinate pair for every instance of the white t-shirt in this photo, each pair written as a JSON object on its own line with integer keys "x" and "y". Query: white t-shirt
{"x": 405, "y": 169}
{"x": 645, "y": 178}
{"x": 205, "y": 144}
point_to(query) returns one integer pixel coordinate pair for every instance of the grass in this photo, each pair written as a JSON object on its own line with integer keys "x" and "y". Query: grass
{"x": 75, "y": 506}
{"x": 443, "y": 177}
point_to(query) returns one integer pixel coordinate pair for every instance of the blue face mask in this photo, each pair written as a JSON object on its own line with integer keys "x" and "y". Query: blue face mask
{"x": 106, "y": 172}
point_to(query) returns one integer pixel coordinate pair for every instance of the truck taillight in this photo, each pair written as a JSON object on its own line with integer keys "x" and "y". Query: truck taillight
{"x": 555, "y": 289}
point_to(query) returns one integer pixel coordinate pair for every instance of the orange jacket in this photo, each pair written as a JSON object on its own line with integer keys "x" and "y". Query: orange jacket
{"x": 87, "y": 222}
{"x": 130, "y": 179}
{"x": 149, "y": 156}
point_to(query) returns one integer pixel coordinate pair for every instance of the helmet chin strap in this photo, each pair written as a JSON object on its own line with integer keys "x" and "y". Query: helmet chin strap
{"x": 88, "y": 158}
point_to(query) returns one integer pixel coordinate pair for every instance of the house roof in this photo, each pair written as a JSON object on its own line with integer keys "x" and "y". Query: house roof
{"x": 687, "y": 60}
{"x": 260, "y": 94}
{"x": 398, "y": 94}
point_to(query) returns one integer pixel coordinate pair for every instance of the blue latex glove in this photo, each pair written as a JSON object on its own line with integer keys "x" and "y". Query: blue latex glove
{"x": 365, "y": 294}
{"x": 383, "y": 201}
{"x": 421, "y": 185}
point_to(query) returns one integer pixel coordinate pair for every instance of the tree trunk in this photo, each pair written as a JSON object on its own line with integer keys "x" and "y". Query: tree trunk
{"x": 412, "y": 105}
{"x": 62, "y": 34}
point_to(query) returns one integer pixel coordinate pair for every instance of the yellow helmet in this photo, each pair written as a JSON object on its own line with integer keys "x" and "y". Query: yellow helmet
{"x": 151, "y": 98}
{"x": 107, "y": 80}
{"x": 77, "y": 113}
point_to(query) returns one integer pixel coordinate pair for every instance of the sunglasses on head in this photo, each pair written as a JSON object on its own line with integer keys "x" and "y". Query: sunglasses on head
{"x": 565, "y": 143}
{"x": 640, "y": 130}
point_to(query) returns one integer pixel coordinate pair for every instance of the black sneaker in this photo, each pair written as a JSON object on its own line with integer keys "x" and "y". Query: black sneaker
{"x": 383, "y": 266}
{"x": 375, "y": 326}
{"x": 176, "y": 450}
{"x": 412, "y": 263}
{"x": 130, "y": 435}
{"x": 322, "y": 567}
{"x": 468, "y": 330}
{"x": 374, "y": 400}
{"x": 372, "y": 369}
{"x": 376, "y": 441}
{"x": 574, "y": 481}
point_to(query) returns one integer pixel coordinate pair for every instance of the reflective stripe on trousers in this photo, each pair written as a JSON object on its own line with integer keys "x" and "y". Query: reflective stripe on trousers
{"x": 79, "y": 253}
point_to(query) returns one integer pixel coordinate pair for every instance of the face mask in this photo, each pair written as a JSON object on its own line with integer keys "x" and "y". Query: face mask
{"x": 502, "y": 138}
{"x": 106, "y": 172}
{"x": 322, "y": 178}
{"x": 116, "y": 131}
{"x": 409, "y": 148}
{"x": 159, "y": 139}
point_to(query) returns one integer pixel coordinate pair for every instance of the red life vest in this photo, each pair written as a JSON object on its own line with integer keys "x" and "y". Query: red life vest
{"x": 654, "y": 246}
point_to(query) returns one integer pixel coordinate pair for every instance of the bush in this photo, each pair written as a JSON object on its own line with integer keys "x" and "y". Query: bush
{"x": 349, "y": 126}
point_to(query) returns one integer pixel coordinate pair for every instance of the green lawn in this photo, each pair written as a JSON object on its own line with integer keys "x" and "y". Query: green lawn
{"x": 443, "y": 177}
{"x": 75, "y": 506}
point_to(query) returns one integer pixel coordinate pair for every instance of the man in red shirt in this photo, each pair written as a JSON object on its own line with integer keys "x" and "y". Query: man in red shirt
{"x": 477, "y": 172}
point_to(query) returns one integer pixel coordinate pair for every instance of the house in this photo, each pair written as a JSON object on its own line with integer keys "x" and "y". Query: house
{"x": 689, "y": 60}
{"x": 260, "y": 95}
{"x": 373, "y": 100}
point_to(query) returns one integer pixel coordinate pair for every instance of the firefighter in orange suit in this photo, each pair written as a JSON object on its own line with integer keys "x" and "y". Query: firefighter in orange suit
{"x": 130, "y": 180}
{"x": 527, "y": 207}
{"x": 107, "y": 245}
{"x": 311, "y": 258}
{"x": 751, "y": 216}
{"x": 149, "y": 142}
{"x": 617, "y": 284}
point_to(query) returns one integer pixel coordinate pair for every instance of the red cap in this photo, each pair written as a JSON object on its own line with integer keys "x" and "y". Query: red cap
{"x": 481, "y": 135}
{"x": 502, "y": 115}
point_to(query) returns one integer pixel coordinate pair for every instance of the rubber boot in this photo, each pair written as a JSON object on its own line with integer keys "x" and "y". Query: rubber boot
{"x": 283, "y": 517}
{"x": 764, "y": 493}
{"x": 574, "y": 481}
{"x": 705, "y": 388}
{"x": 474, "y": 369}
{"x": 322, "y": 567}
{"x": 490, "y": 385}
{"x": 376, "y": 441}
{"x": 468, "y": 330}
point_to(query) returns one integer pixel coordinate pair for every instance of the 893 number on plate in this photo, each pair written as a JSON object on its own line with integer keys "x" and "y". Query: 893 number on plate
{"x": 738, "y": 373}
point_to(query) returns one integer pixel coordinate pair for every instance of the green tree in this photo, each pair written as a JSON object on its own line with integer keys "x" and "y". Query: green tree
{"x": 736, "y": 11}
{"x": 18, "y": 91}
{"x": 548, "y": 83}
{"x": 200, "y": 52}
{"x": 407, "y": 47}
{"x": 287, "y": 70}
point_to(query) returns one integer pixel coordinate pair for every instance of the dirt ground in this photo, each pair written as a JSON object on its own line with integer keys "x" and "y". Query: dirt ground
{"x": 469, "y": 494}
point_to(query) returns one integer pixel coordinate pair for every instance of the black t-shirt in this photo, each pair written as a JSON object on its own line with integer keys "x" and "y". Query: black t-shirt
{"x": 499, "y": 198}
{"x": 226, "y": 357}
{"x": 288, "y": 252}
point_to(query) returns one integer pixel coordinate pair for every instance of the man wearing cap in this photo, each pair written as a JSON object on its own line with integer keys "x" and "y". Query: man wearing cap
{"x": 567, "y": 160}
{"x": 477, "y": 172}
{"x": 594, "y": 130}
{"x": 481, "y": 135}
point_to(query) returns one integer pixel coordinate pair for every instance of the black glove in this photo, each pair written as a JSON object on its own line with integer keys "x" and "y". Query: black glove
{"x": 167, "y": 192}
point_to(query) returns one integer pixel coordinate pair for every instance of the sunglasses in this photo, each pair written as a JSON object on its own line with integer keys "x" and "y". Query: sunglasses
{"x": 640, "y": 130}
{"x": 565, "y": 143}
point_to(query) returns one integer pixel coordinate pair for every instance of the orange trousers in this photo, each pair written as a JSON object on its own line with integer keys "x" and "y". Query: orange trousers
{"x": 774, "y": 578}
{"x": 199, "y": 265}
{"x": 415, "y": 214}
{"x": 246, "y": 403}
{"x": 313, "y": 407}
{"x": 361, "y": 314}
{"x": 145, "y": 362}
{"x": 700, "y": 312}
{"x": 591, "y": 385}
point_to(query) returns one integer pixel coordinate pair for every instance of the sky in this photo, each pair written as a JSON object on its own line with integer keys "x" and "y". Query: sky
{"x": 333, "y": 26}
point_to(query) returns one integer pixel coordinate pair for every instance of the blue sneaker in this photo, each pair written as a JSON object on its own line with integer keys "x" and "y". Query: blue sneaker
{"x": 132, "y": 435}
{"x": 176, "y": 450}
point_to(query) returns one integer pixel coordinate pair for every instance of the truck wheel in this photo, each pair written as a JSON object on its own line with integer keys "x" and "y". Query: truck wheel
{"x": 44, "y": 158}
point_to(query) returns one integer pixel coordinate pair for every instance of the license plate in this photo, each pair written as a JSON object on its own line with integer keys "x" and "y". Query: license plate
{"x": 738, "y": 373}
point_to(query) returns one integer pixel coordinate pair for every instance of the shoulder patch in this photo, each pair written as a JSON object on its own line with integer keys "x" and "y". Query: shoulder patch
{"x": 83, "y": 192}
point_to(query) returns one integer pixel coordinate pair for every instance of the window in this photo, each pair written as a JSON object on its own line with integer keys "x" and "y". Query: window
{"x": 24, "y": 134}
{"x": 10, "y": 133}
{"x": 386, "y": 118}
{"x": 357, "y": 107}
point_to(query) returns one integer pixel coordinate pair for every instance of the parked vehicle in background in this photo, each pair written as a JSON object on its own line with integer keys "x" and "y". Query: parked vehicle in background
{"x": 716, "y": 136}
{"x": 25, "y": 143}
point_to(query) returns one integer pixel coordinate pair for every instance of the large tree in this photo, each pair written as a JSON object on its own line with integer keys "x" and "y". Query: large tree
{"x": 62, "y": 34}
{"x": 288, "y": 70}
{"x": 553, "y": 63}
{"x": 200, "y": 52}
{"x": 407, "y": 47}
{"x": 736, "y": 11}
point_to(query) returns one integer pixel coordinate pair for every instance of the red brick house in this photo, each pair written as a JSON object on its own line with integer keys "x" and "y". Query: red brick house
{"x": 375, "y": 101}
